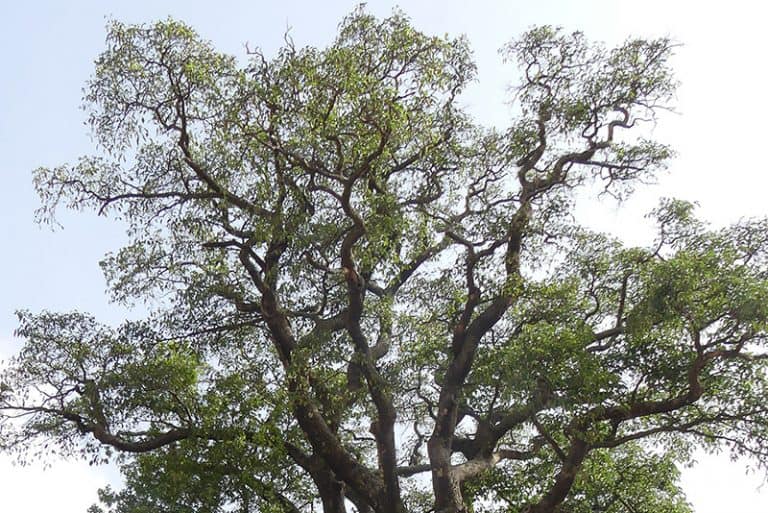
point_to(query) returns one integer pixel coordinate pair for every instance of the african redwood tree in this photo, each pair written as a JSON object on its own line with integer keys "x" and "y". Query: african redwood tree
{"x": 362, "y": 299}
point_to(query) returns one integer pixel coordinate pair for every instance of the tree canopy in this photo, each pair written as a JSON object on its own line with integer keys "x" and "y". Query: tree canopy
{"x": 363, "y": 299}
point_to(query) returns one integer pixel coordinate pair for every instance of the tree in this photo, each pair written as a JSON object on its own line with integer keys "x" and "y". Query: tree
{"x": 361, "y": 298}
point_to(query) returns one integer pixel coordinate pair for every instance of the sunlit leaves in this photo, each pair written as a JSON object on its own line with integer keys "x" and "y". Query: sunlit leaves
{"x": 324, "y": 232}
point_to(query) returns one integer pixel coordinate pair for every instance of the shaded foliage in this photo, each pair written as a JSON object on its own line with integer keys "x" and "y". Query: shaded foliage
{"x": 361, "y": 298}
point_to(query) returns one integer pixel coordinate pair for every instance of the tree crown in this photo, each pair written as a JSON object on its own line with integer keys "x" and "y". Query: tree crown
{"x": 355, "y": 285}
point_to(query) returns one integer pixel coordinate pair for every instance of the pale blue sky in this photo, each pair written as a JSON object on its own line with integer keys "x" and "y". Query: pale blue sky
{"x": 46, "y": 53}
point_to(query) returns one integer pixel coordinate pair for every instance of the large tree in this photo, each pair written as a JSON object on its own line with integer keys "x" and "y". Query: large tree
{"x": 362, "y": 299}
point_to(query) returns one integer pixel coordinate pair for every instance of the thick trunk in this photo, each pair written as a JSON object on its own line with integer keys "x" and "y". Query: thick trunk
{"x": 331, "y": 492}
{"x": 446, "y": 486}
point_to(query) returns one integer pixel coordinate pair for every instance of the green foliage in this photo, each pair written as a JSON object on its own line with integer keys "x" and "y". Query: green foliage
{"x": 355, "y": 286}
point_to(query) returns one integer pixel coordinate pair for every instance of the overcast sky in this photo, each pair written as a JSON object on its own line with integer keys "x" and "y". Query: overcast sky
{"x": 47, "y": 50}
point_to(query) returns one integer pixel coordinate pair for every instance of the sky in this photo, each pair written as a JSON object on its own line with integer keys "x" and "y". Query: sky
{"x": 47, "y": 50}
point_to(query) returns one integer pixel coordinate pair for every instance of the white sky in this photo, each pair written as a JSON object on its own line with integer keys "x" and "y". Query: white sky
{"x": 46, "y": 54}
